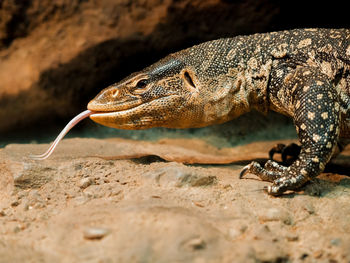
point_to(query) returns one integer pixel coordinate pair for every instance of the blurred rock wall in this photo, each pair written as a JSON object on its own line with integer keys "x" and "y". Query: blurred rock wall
{"x": 55, "y": 55}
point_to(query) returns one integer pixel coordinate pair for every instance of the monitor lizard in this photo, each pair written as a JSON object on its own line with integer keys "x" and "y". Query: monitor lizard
{"x": 301, "y": 73}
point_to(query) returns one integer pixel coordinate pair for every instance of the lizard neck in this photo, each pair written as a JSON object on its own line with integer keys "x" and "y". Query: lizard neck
{"x": 254, "y": 80}
{"x": 234, "y": 74}
{"x": 234, "y": 93}
{"x": 241, "y": 88}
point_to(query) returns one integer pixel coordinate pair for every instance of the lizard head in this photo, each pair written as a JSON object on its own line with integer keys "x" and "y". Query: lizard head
{"x": 154, "y": 97}
{"x": 190, "y": 88}
{"x": 166, "y": 94}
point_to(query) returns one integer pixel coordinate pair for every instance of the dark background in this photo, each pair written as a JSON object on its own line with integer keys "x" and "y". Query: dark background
{"x": 118, "y": 40}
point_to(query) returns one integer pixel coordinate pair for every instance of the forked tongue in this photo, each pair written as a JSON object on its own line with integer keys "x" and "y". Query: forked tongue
{"x": 66, "y": 129}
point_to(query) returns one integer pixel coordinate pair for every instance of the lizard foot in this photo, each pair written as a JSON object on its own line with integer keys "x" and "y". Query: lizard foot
{"x": 270, "y": 172}
{"x": 274, "y": 173}
{"x": 285, "y": 183}
{"x": 289, "y": 153}
{"x": 282, "y": 178}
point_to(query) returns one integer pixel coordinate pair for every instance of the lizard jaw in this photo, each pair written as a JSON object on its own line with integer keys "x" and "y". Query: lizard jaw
{"x": 134, "y": 118}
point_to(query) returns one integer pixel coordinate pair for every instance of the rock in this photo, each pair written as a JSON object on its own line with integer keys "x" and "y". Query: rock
{"x": 80, "y": 200}
{"x": 275, "y": 214}
{"x": 195, "y": 244}
{"x": 318, "y": 254}
{"x": 179, "y": 175}
{"x": 292, "y": 237}
{"x": 234, "y": 233}
{"x": 16, "y": 229}
{"x": 270, "y": 252}
{"x": 261, "y": 232}
{"x": 335, "y": 241}
{"x": 31, "y": 175}
{"x": 95, "y": 233}
{"x": 309, "y": 207}
{"x": 15, "y": 203}
{"x": 85, "y": 182}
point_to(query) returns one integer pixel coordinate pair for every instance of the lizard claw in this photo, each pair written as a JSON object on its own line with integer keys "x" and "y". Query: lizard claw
{"x": 269, "y": 190}
{"x": 244, "y": 171}
{"x": 274, "y": 190}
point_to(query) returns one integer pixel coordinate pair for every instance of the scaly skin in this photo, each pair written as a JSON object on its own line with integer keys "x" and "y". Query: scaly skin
{"x": 303, "y": 74}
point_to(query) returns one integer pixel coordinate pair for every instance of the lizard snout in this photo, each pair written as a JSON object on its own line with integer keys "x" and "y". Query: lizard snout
{"x": 103, "y": 100}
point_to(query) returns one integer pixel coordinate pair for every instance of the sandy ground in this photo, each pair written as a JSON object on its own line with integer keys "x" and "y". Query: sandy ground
{"x": 82, "y": 205}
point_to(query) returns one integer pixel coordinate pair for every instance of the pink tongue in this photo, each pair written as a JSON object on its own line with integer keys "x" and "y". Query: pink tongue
{"x": 66, "y": 129}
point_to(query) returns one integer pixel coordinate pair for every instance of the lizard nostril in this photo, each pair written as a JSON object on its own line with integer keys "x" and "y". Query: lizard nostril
{"x": 115, "y": 93}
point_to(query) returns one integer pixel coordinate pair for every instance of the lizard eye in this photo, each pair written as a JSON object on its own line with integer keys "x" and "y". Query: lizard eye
{"x": 141, "y": 86}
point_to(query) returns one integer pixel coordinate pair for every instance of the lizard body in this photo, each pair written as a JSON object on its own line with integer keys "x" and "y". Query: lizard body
{"x": 302, "y": 73}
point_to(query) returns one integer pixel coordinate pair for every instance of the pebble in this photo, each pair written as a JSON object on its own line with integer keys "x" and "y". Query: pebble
{"x": 292, "y": 237}
{"x": 318, "y": 254}
{"x": 261, "y": 232}
{"x": 92, "y": 233}
{"x": 16, "y": 229}
{"x": 39, "y": 205}
{"x": 80, "y": 200}
{"x": 179, "y": 175}
{"x": 309, "y": 207}
{"x": 78, "y": 166}
{"x": 275, "y": 214}
{"x": 85, "y": 182}
{"x": 15, "y": 203}
{"x": 335, "y": 242}
{"x": 19, "y": 228}
{"x": 234, "y": 233}
{"x": 195, "y": 244}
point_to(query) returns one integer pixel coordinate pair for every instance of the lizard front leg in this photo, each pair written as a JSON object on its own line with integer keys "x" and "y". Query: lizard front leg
{"x": 316, "y": 116}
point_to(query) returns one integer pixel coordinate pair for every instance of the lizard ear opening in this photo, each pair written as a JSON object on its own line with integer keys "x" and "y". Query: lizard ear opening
{"x": 189, "y": 80}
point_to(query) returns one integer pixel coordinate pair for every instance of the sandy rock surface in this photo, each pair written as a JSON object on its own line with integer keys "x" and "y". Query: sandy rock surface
{"x": 81, "y": 205}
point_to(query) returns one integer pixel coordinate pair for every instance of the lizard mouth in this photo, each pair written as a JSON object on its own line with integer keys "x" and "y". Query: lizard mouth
{"x": 101, "y": 111}
{"x": 138, "y": 116}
